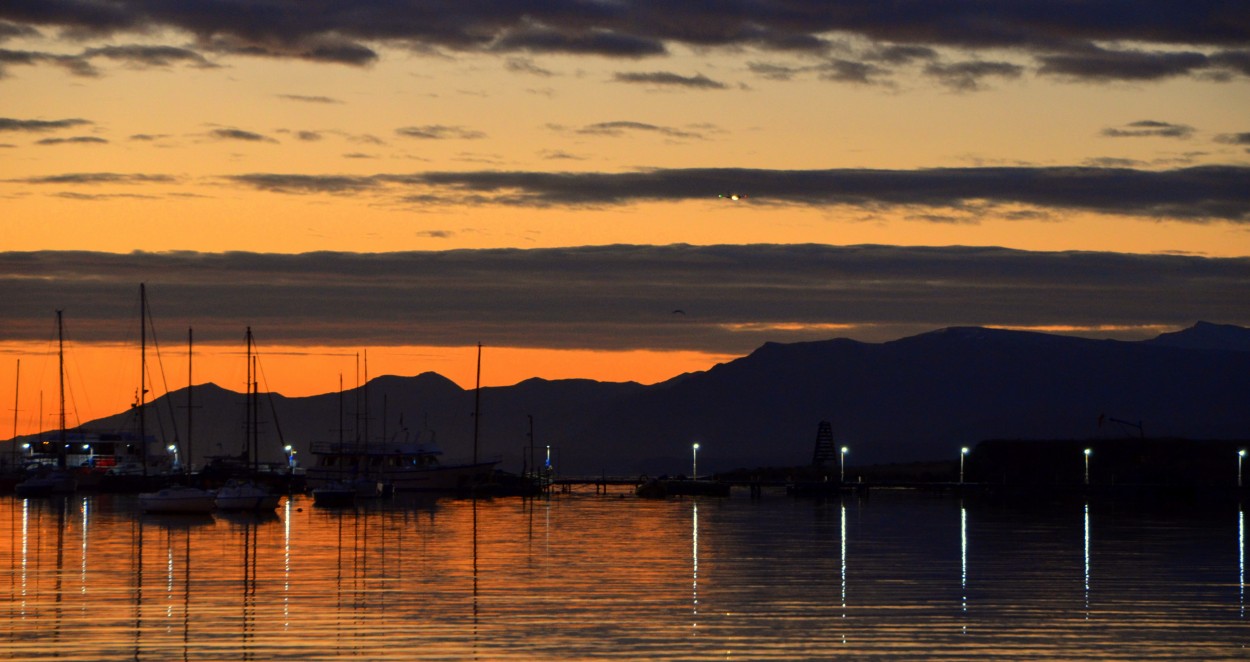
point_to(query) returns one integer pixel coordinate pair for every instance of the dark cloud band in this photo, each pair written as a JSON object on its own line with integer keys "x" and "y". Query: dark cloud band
{"x": 614, "y": 297}
{"x": 338, "y": 32}
{"x": 1189, "y": 194}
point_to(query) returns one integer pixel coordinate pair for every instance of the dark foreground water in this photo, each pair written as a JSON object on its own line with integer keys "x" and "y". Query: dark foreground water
{"x": 893, "y": 575}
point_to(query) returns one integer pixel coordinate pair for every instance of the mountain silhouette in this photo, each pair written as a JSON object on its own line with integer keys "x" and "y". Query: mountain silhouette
{"x": 912, "y": 399}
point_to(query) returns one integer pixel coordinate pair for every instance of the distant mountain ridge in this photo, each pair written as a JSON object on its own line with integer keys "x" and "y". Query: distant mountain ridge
{"x": 915, "y": 398}
{"x": 1205, "y": 335}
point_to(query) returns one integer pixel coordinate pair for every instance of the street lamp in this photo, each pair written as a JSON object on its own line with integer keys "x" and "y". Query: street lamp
{"x": 1088, "y": 451}
{"x": 963, "y": 452}
{"x": 694, "y": 470}
{"x": 1241, "y": 454}
{"x": 290, "y": 456}
{"x": 842, "y": 465}
{"x": 174, "y": 449}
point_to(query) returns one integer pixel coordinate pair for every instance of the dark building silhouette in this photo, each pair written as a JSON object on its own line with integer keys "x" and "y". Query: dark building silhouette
{"x": 824, "y": 455}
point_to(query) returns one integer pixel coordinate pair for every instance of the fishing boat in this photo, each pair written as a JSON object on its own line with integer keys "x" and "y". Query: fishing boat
{"x": 179, "y": 499}
{"x": 407, "y": 467}
{"x": 334, "y": 493}
{"x": 401, "y": 464}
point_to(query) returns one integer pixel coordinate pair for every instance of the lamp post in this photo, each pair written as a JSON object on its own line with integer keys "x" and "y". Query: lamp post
{"x": 694, "y": 469}
{"x": 174, "y": 449}
{"x": 290, "y": 456}
{"x": 1088, "y": 452}
{"x": 963, "y": 452}
{"x": 1241, "y": 454}
{"x": 842, "y": 465}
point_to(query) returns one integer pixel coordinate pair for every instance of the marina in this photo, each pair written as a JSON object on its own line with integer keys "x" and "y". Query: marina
{"x": 898, "y": 574}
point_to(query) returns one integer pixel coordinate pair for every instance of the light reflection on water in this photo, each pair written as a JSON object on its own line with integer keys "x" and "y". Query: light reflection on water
{"x": 601, "y": 577}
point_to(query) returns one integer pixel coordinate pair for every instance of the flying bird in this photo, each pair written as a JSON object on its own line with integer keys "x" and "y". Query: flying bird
{"x": 679, "y": 311}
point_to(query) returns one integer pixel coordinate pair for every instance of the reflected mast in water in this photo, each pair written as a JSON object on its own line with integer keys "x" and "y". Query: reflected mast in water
{"x": 1087, "y": 560}
{"x": 694, "y": 555}
{"x": 963, "y": 563}
{"x": 842, "y": 525}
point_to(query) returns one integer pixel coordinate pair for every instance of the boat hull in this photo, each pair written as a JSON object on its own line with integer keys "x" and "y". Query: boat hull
{"x": 185, "y": 500}
{"x": 245, "y": 497}
{"x": 48, "y": 485}
{"x": 444, "y": 478}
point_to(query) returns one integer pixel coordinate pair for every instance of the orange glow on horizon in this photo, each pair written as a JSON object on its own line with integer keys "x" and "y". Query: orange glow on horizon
{"x": 102, "y": 379}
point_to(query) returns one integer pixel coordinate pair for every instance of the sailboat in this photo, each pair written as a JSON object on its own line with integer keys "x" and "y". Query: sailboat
{"x": 171, "y": 498}
{"x": 335, "y": 491}
{"x": 59, "y": 480}
{"x": 238, "y": 494}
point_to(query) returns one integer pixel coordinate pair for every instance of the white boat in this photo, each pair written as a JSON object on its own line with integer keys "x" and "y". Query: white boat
{"x": 245, "y": 495}
{"x": 178, "y": 499}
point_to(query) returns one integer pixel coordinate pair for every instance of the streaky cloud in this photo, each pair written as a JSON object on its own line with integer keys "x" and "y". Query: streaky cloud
{"x": 1234, "y": 138}
{"x": 73, "y": 140}
{"x": 616, "y": 297}
{"x": 1150, "y": 128}
{"x": 240, "y": 135}
{"x": 440, "y": 132}
{"x": 620, "y": 127}
{"x": 1195, "y": 193}
{"x": 151, "y": 56}
{"x": 92, "y": 178}
{"x": 968, "y": 76}
{"x": 285, "y": 183}
{"x": 1097, "y": 64}
{"x": 39, "y": 126}
{"x": 309, "y": 98}
{"x": 669, "y": 79}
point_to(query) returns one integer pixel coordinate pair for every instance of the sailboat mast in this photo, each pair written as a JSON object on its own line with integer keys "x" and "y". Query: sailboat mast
{"x": 190, "y": 407}
{"x": 255, "y": 418}
{"x": 60, "y": 352}
{"x": 477, "y": 401}
{"x": 143, "y": 371}
{"x": 16, "y": 393}
{"x": 250, "y": 424}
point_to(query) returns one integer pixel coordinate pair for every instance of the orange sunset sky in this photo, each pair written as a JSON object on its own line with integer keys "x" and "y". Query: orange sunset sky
{"x": 412, "y": 178}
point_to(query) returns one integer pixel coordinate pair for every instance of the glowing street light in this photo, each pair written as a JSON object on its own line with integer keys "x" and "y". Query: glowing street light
{"x": 1241, "y": 454}
{"x": 963, "y": 452}
{"x": 694, "y": 470}
{"x": 842, "y": 465}
{"x": 174, "y": 449}
{"x": 1088, "y": 452}
{"x": 290, "y": 456}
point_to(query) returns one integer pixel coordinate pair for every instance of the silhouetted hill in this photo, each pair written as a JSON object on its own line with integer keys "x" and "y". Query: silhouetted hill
{"x": 1205, "y": 335}
{"x": 917, "y": 398}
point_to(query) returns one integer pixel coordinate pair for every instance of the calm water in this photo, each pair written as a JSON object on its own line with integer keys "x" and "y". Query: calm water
{"x": 895, "y": 575}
